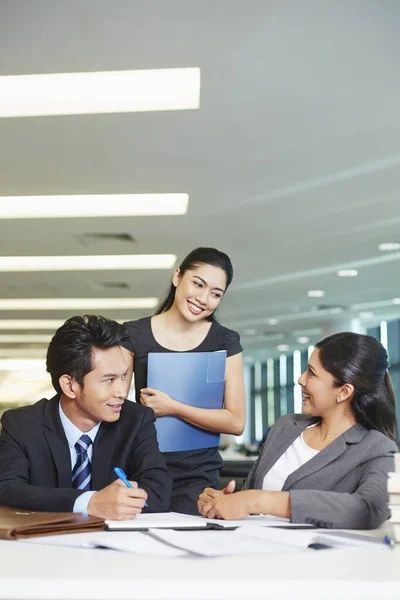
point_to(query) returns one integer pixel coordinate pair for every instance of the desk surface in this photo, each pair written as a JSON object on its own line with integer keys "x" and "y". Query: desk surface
{"x": 33, "y": 572}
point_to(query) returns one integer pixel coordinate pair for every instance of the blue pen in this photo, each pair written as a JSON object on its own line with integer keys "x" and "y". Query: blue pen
{"x": 388, "y": 541}
{"x": 350, "y": 535}
{"x": 119, "y": 473}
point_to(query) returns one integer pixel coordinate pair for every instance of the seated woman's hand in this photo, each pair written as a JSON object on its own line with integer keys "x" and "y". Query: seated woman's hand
{"x": 209, "y": 495}
{"x": 231, "y": 506}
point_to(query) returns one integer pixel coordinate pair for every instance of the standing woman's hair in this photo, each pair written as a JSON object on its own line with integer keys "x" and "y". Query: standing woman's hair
{"x": 199, "y": 256}
{"x": 362, "y": 361}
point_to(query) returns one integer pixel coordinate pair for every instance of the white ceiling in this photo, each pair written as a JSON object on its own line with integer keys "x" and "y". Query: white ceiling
{"x": 292, "y": 162}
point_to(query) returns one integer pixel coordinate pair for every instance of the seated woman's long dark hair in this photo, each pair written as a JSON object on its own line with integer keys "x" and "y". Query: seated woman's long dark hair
{"x": 362, "y": 361}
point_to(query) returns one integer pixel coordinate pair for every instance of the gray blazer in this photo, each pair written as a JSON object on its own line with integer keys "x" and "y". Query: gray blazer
{"x": 344, "y": 486}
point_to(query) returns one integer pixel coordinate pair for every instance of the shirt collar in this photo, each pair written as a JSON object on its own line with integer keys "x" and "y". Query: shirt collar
{"x": 72, "y": 433}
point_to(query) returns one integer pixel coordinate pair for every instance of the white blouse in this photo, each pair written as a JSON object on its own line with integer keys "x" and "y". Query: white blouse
{"x": 295, "y": 456}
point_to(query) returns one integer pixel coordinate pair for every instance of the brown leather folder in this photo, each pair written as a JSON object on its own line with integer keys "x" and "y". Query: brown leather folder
{"x": 18, "y": 523}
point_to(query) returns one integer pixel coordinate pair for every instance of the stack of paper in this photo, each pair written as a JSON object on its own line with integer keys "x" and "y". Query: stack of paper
{"x": 394, "y": 498}
{"x": 176, "y": 535}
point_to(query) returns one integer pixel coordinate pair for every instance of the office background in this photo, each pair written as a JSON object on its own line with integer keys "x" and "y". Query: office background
{"x": 290, "y": 161}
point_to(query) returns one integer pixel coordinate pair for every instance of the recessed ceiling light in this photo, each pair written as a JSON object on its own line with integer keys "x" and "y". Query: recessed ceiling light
{"x": 282, "y": 347}
{"x": 92, "y": 205}
{"x": 396, "y": 300}
{"x": 77, "y": 303}
{"x": 273, "y": 321}
{"x": 347, "y": 273}
{"x": 303, "y": 339}
{"x": 389, "y": 246}
{"x": 99, "y": 92}
{"x": 249, "y": 331}
{"x": 86, "y": 263}
{"x": 315, "y": 293}
{"x": 366, "y": 315}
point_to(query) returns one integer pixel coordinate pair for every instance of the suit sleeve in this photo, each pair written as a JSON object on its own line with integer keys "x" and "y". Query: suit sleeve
{"x": 147, "y": 466}
{"x": 15, "y": 489}
{"x": 366, "y": 508}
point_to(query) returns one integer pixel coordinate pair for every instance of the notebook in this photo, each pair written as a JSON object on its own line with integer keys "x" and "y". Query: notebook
{"x": 194, "y": 378}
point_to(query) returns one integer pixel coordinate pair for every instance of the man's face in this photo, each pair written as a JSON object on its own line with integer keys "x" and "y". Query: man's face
{"x": 103, "y": 392}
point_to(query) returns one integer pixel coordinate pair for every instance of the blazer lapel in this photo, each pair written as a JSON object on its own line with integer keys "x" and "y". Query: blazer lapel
{"x": 326, "y": 456}
{"x": 103, "y": 450}
{"x": 274, "y": 450}
{"x": 57, "y": 441}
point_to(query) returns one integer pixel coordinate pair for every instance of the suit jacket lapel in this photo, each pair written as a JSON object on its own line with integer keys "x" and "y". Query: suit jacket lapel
{"x": 274, "y": 450}
{"x": 326, "y": 456}
{"x": 57, "y": 441}
{"x": 102, "y": 455}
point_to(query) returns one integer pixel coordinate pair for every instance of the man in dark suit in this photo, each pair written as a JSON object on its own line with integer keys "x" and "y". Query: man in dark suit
{"x": 59, "y": 454}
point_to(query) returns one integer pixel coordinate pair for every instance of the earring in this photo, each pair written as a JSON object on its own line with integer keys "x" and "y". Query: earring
{"x": 337, "y": 400}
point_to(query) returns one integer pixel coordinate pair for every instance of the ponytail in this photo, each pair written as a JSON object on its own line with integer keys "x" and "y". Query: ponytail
{"x": 377, "y": 410}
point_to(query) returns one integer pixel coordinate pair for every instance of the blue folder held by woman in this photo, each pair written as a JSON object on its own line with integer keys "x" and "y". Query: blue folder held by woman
{"x": 194, "y": 378}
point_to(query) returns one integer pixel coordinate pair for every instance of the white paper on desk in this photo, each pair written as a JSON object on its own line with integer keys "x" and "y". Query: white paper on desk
{"x": 137, "y": 543}
{"x": 170, "y": 520}
{"x": 125, "y": 541}
{"x": 260, "y": 520}
{"x": 222, "y": 543}
{"x": 75, "y": 540}
{"x": 296, "y": 538}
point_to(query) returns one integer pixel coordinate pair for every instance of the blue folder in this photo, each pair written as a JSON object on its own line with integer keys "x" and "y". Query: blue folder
{"x": 194, "y": 378}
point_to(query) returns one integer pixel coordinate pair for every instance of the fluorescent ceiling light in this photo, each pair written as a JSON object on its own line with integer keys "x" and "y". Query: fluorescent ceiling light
{"x": 347, "y": 273}
{"x": 389, "y": 247}
{"x": 34, "y": 377}
{"x": 396, "y": 300}
{"x": 77, "y": 303}
{"x": 25, "y": 338}
{"x": 30, "y": 324}
{"x": 315, "y": 293}
{"x": 303, "y": 339}
{"x": 21, "y": 364}
{"x": 38, "y": 324}
{"x": 92, "y": 205}
{"x": 366, "y": 315}
{"x": 273, "y": 321}
{"x": 86, "y": 263}
{"x": 8, "y": 353}
{"x": 99, "y": 92}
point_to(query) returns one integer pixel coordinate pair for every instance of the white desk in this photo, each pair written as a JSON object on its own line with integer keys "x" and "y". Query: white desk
{"x": 33, "y": 572}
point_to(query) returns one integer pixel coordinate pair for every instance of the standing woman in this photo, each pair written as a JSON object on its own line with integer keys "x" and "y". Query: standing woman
{"x": 185, "y": 322}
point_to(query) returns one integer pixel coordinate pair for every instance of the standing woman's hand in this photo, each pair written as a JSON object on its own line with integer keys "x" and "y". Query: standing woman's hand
{"x": 160, "y": 402}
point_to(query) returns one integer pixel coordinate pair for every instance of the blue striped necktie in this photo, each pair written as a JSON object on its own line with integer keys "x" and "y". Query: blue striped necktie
{"x": 82, "y": 471}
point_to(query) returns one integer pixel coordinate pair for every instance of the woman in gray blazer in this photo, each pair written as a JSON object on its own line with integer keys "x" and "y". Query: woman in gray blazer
{"x": 329, "y": 465}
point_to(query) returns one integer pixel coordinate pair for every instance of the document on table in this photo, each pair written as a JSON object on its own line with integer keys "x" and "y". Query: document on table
{"x": 262, "y": 521}
{"x": 250, "y": 540}
{"x": 133, "y": 541}
{"x": 175, "y": 520}
{"x": 171, "y": 520}
{"x": 226, "y": 543}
